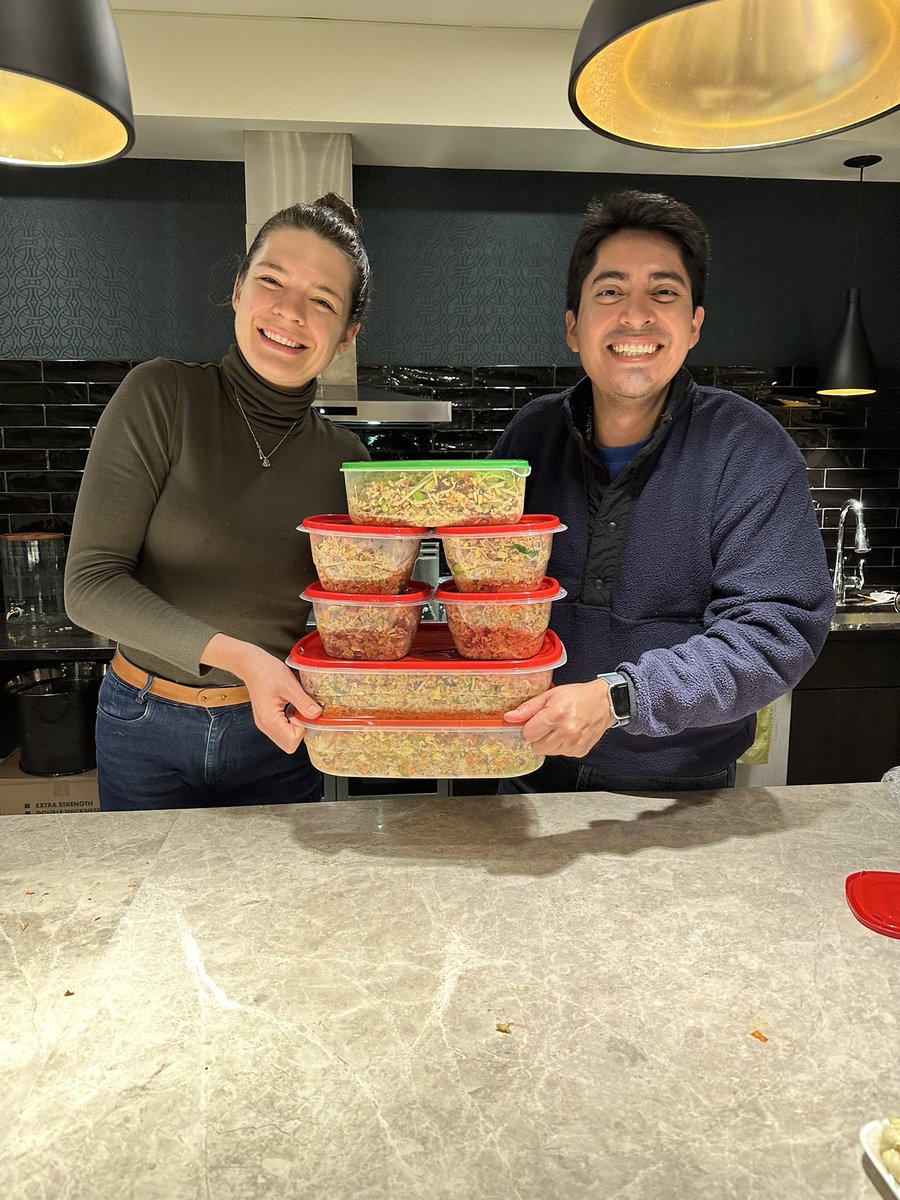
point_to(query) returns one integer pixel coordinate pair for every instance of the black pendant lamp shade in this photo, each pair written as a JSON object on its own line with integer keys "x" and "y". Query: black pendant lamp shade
{"x": 720, "y": 75}
{"x": 64, "y": 96}
{"x": 850, "y": 368}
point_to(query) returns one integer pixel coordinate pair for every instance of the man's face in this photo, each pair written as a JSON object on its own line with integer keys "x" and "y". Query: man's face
{"x": 636, "y": 321}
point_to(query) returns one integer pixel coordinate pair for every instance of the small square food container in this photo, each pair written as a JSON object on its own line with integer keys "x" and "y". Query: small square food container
{"x": 436, "y": 492}
{"x": 356, "y": 558}
{"x": 503, "y": 558}
{"x": 371, "y": 628}
{"x": 441, "y": 749}
{"x": 499, "y": 625}
{"x": 432, "y": 681}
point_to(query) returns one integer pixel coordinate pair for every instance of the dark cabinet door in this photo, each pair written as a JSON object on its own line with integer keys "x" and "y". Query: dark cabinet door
{"x": 844, "y": 735}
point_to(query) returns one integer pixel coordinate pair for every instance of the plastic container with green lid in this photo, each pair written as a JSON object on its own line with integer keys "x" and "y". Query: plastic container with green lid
{"x": 435, "y": 492}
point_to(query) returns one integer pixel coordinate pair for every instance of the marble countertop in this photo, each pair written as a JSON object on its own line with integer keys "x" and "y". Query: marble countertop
{"x": 257, "y": 1003}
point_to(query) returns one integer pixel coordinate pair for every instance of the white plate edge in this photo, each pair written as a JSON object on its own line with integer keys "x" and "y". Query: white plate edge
{"x": 869, "y": 1137}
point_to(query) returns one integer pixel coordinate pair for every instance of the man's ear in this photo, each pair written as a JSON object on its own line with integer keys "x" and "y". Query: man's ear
{"x": 696, "y": 323}
{"x": 572, "y": 331}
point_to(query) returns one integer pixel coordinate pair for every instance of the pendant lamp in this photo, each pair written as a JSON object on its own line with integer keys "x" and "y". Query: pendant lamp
{"x": 850, "y": 370}
{"x": 64, "y": 97}
{"x": 717, "y": 75}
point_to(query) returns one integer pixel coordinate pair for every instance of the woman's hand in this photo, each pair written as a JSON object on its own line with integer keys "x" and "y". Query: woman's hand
{"x": 565, "y": 720}
{"x": 272, "y": 686}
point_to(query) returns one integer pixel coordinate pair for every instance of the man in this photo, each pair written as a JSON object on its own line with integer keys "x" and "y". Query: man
{"x": 698, "y": 588}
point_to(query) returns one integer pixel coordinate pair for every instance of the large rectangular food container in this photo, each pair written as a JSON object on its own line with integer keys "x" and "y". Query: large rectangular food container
{"x": 357, "y": 558}
{"x": 433, "y": 680}
{"x": 370, "y": 628}
{"x": 479, "y": 749}
{"x": 499, "y": 625}
{"x": 501, "y": 558}
{"x": 436, "y": 492}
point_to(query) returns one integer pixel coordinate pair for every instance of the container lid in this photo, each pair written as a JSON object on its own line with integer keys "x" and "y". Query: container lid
{"x": 416, "y": 592}
{"x": 874, "y": 899}
{"x": 29, "y": 537}
{"x": 349, "y": 724}
{"x": 341, "y": 523}
{"x": 432, "y": 650}
{"x": 534, "y": 523}
{"x": 549, "y": 590}
{"x": 517, "y": 465}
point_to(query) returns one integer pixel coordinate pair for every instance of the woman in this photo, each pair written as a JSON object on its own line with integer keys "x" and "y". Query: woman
{"x": 184, "y": 547}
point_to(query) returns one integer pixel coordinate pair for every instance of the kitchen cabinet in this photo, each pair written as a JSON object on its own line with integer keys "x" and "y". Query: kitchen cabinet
{"x": 845, "y": 712}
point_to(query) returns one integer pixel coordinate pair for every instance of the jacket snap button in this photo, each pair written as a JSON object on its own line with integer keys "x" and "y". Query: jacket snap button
{"x": 611, "y": 526}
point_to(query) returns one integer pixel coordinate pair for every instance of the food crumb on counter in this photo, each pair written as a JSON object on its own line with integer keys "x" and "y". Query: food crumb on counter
{"x": 503, "y": 1027}
{"x": 760, "y": 1037}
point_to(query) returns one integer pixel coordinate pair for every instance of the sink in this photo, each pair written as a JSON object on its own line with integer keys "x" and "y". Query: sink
{"x": 866, "y": 617}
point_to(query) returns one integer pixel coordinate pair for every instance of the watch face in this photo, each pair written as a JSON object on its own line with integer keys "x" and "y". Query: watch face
{"x": 618, "y": 695}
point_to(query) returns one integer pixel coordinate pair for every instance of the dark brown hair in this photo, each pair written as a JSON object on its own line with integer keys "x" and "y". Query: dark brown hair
{"x": 331, "y": 218}
{"x": 649, "y": 211}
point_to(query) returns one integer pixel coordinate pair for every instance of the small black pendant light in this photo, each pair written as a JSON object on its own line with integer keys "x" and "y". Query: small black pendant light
{"x": 717, "y": 75}
{"x": 64, "y": 96}
{"x": 850, "y": 370}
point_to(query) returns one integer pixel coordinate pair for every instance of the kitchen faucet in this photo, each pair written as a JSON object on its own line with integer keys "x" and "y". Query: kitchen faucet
{"x": 841, "y": 582}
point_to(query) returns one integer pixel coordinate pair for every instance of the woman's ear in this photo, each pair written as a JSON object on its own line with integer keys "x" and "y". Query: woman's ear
{"x": 348, "y": 339}
{"x": 236, "y": 293}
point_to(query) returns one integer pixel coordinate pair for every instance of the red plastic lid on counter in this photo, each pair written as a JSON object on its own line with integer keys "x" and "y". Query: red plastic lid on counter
{"x": 874, "y": 899}
{"x": 432, "y": 650}
{"x": 532, "y": 523}
{"x": 341, "y": 523}
{"x": 415, "y": 593}
{"x": 549, "y": 590}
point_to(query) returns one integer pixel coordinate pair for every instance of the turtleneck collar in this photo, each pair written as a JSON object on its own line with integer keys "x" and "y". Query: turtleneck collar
{"x": 265, "y": 406}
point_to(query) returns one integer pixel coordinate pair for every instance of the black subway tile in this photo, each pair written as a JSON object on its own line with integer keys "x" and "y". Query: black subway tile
{"x": 67, "y": 460}
{"x": 883, "y": 457}
{"x": 514, "y": 376}
{"x": 23, "y": 460}
{"x": 854, "y": 479}
{"x": 46, "y": 481}
{"x": 40, "y": 436}
{"x": 22, "y": 502}
{"x": 25, "y": 414}
{"x": 462, "y": 442}
{"x": 883, "y": 577}
{"x": 476, "y": 397}
{"x": 864, "y": 437}
{"x": 41, "y": 523}
{"x": 495, "y": 419}
{"x": 873, "y": 517}
{"x": 19, "y": 368}
{"x": 566, "y": 375}
{"x": 815, "y": 478}
{"x": 881, "y": 497}
{"x": 523, "y": 394}
{"x": 404, "y": 378}
{"x": 884, "y": 419}
{"x": 63, "y": 502}
{"x": 101, "y": 393}
{"x": 834, "y": 497}
{"x": 844, "y": 418}
{"x": 85, "y": 370}
{"x": 75, "y": 414}
{"x": 42, "y": 393}
{"x": 833, "y": 457}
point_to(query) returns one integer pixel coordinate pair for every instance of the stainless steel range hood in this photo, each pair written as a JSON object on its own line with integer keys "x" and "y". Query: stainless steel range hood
{"x": 364, "y": 404}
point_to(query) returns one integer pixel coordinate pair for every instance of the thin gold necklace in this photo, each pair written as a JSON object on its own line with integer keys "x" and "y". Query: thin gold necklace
{"x": 264, "y": 458}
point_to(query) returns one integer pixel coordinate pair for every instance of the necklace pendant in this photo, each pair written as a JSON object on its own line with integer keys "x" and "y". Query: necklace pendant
{"x": 262, "y": 458}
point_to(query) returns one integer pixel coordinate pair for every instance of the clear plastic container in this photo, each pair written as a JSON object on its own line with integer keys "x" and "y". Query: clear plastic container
{"x": 357, "y": 746}
{"x": 436, "y": 492}
{"x": 504, "y": 558}
{"x": 371, "y": 628}
{"x": 353, "y": 558}
{"x": 499, "y": 625}
{"x": 432, "y": 681}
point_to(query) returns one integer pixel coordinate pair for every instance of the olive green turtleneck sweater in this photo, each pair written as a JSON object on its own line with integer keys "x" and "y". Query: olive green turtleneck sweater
{"x": 181, "y": 533}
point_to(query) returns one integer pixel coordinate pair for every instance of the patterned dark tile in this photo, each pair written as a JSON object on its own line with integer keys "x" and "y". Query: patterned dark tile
{"x": 19, "y": 368}
{"x": 21, "y": 502}
{"x": 515, "y": 376}
{"x": 25, "y": 436}
{"x": 42, "y": 393}
{"x": 23, "y": 460}
{"x": 74, "y": 414}
{"x": 83, "y": 370}
{"x": 42, "y": 523}
{"x": 67, "y": 460}
{"x": 43, "y": 481}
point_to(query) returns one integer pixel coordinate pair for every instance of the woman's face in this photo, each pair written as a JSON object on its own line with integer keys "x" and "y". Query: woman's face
{"x": 291, "y": 308}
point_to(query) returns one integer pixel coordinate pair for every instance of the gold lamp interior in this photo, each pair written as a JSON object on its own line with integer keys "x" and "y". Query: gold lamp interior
{"x": 741, "y": 74}
{"x": 42, "y": 123}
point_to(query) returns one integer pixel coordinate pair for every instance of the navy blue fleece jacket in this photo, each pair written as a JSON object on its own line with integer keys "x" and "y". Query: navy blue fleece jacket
{"x": 721, "y": 600}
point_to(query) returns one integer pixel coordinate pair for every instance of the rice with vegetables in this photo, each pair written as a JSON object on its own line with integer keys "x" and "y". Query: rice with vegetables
{"x": 352, "y": 564}
{"x": 373, "y": 632}
{"x": 498, "y": 564}
{"x": 437, "y": 496}
{"x": 498, "y": 631}
{"x": 432, "y": 753}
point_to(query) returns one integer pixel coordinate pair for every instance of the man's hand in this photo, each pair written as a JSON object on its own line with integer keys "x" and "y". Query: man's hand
{"x": 272, "y": 686}
{"x": 565, "y": 720}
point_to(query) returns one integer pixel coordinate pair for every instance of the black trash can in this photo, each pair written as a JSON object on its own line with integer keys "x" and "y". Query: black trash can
{"x": 56, "y": 710}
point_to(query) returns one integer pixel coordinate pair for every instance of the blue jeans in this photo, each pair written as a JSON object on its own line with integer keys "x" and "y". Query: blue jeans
{"x": 154, "y": 753}
{"x": 558, "y": 774}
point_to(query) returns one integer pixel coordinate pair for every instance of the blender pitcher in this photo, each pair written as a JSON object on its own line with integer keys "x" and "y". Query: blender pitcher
{"x": 32, "y": 567}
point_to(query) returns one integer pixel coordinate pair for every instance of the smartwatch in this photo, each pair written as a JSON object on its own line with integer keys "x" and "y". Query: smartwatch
{"x": 619, "y": 697}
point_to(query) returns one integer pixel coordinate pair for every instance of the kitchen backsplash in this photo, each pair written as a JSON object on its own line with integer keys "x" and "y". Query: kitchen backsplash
{"x": 48, "y": 410}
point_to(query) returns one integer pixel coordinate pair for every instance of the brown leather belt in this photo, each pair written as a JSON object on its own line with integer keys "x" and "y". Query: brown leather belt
{"x": 208, "y": 697}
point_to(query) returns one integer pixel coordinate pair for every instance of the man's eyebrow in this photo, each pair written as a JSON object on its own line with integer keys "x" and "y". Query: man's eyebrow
{"x": 323, "y": 287}
{"x": 673, "y": 275}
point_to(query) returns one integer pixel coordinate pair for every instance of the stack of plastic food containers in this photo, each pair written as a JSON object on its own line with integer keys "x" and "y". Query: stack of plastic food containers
{"x": 436, "y": 709}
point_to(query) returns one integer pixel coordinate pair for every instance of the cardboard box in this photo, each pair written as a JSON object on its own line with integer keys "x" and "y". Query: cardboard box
{"x": 31, "y": 795}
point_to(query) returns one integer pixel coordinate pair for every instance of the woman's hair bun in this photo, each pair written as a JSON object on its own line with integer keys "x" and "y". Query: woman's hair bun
{"x": 339, "y": 205}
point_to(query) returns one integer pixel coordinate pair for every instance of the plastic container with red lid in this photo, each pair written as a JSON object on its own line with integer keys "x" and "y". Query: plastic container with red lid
{"x": 500, "y": 558}
{"x": 433, "y": 680}
{"x": 371, "y": 628}
{"x": 499, "y": 625}
{"x": 432, "y": 749}
{"x": 874, "y": 899}
{"x": 366, "y": 559}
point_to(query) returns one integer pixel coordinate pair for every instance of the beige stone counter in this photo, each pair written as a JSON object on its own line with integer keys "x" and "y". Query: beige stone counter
{"x": 303, "y": 1002}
